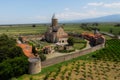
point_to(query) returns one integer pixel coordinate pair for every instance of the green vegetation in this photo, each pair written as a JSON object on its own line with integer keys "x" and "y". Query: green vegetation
{"x": 106, "y": 27}
{"x": 79, "y": 43}
{"x": 22, "y": 29}
{"x": 12, "y": 61}
{"x": 110, "y": 53}
{"x": 71, "y": 41}
{"x": 38, "y": 29}
{"x": 107, "y": 37}
{"x": 34, "y": 51}
{"x": 99, "y": 65}
{"x": 110, "y": 26}
{"x": 8, "y": 48}
{"x": 74, "y": 28}
{"x": 66, "y": 51}
{"x": 40, "y": 53}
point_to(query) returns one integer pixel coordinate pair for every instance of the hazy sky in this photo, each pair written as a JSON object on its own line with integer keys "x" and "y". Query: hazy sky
{"x": 38, "y": 11}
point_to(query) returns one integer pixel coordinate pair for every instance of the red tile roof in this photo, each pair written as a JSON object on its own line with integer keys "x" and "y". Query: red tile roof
{"x": 27, "y": 50}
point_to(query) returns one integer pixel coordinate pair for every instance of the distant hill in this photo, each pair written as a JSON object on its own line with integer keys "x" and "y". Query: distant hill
{"x": 109, "y": 18}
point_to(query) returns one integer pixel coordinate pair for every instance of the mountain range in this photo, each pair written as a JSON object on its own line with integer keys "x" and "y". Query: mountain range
{"x": 109, "y": 18}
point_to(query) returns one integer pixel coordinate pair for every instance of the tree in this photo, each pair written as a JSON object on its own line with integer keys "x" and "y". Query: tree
{"x": 119, "y": 33}
{"x": 8, "y": 48}
{"x": 70, "y": 41}
{"x": 33, "y": 25}
{"x": 34, "y": 49}
{"x": 12, "y": 61}
{"x": 95, "y": 24}
{"x": 13, "y": 68}
{"x": 111, "y": 30}
{"x": 84, "y": 25}
{"x": 20, "y": 38}
{"x": 117, "y": 25}
{"x": 42, "y": 57}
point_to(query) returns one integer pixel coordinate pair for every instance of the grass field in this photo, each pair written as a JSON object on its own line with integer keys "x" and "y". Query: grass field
{"x": 79, "y": 43}
{"x": 16, "y": 30}
{"x": 107, "y": 26}
{"x": 41, "y": 28}
{"x": 99, "y": 65}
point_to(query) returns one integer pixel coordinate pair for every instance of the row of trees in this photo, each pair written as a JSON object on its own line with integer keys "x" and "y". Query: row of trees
{"x": 89, "y": 27}
{"x": 12, "y": 61}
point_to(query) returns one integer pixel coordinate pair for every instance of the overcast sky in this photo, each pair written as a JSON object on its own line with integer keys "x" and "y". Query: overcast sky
{"x": 39, "y": 11}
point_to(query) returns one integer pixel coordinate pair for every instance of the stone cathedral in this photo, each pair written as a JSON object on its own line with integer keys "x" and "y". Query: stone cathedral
{"x": 55, "y": 33}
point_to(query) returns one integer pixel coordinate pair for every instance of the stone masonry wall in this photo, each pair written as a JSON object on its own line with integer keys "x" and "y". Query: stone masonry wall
{"x": 70, "y": 56}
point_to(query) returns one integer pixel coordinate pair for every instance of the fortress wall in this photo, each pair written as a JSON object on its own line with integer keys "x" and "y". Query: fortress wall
{"x": 70, "y": 56}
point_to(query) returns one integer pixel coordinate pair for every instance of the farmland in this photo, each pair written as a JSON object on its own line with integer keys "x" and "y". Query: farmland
{"x": 107, "y": 27}
{"x": 41, "y": 28}
{"x": 99, "y": 65}
{"x": 103, "y": 64}
{"x": 22, "y": 29}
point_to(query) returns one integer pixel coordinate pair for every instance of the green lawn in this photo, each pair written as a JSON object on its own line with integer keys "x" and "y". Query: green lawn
{"x": 79, "y": 46}
{"x": 79, "y": 43}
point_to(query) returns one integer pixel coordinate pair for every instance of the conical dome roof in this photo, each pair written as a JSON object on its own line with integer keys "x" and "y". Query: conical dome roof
{"x": 54, "y": 17}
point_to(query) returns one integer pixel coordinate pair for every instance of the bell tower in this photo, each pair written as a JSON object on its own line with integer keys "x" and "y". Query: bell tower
{"x": 54, "y": 20}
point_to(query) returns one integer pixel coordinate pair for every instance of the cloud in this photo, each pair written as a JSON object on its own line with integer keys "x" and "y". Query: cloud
{"x": 67, "y": 9}
{"x": 112, "y": 5}
{"x": 80, "y": 15}
{"x": 106, "y": 5}
{"x": 85, "y": 7}
{"x": 95, "y": 4}
{"x": 69, "y": 15}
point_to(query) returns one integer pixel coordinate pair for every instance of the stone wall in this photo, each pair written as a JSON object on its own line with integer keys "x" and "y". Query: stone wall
{"x": 70, "y": 56}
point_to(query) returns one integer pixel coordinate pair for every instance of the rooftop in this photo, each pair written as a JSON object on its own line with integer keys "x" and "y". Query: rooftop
{"x": 27, "y": 50}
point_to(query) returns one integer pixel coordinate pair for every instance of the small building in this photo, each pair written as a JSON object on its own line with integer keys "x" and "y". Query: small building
{"x": 48, "y": 49}
{"x": 55, "y": 33}
{"x": 94, "y": 39}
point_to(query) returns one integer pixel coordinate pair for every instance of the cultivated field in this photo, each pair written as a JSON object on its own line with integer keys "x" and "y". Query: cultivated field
{"x": 22, "y": 29}
{"x": 99, "y": 65}
{"x": 41, "y": 28}
{"x": 106, "y": 27}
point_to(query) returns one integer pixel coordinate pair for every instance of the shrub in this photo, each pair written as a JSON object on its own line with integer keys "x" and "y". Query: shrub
{"x": 66, "y": 51}
{"x": 42, "y": 57}
{"x": 71, "y": 41}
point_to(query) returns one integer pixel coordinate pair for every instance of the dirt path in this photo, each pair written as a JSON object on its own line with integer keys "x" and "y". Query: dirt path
{"x": 87, "y": 45}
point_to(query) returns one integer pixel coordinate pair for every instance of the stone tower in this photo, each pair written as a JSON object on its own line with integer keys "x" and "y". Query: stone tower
{"x": 34, "y": 65}
{"x": 54, "y": 21}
